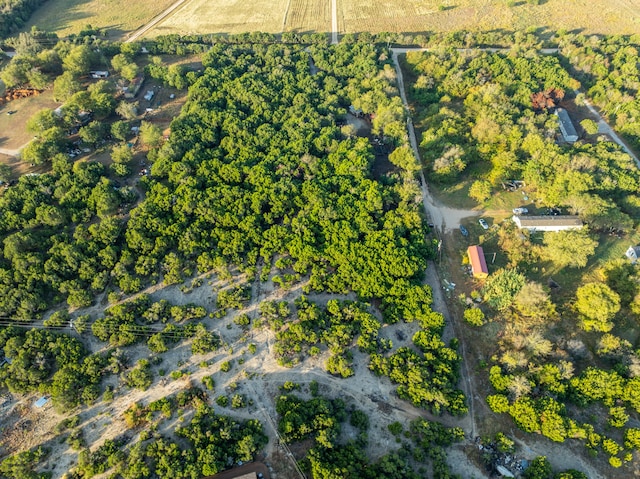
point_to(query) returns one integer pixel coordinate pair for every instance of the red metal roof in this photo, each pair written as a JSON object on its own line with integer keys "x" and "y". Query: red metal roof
{"x": 478, "y": 263}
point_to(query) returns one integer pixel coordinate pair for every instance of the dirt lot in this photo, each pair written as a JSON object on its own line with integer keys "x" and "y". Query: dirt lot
{"x": 13, "y": 131}
{"x": 257, "y": 376}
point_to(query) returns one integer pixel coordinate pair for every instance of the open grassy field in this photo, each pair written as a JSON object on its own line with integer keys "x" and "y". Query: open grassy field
{"x": 118, "y": 16}
{"x": 597, "y": 16}
{"x": 225, "y": 16}
{"x": 13, "y": 131}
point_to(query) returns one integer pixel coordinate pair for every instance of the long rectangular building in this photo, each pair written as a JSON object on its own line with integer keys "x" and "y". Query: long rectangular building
{"x": 548, "y": 223}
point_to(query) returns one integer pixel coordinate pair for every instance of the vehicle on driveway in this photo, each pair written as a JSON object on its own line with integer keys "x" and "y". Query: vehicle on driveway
{"x": 464, "y": 231}
{"x": 483, "y": 223}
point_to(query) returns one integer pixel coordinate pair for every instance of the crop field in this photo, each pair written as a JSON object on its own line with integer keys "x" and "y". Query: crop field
{"x": 305, "y": 16}
{"x": 593, "y": 16}
{"x": 118, "y": 16}
{"x": 225, "y": 16}
{"x": 121, "y": 17}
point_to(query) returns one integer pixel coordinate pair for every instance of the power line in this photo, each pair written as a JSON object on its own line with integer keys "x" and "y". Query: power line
{"x": 127, "y": 328}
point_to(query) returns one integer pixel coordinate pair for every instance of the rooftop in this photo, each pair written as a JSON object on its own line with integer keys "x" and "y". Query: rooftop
{"x": 560, "y": 220}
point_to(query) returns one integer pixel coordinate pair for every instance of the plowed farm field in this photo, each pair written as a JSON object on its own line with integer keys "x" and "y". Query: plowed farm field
{"x": 225, "y": 16}
{"x": 411, "y": 16}
{"x": 591, "y": 16}
{"x": 308, "y": 16}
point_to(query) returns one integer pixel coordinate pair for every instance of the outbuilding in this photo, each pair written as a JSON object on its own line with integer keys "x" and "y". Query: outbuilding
{"x": 569, "y": 133}
{"x": 548, "y": 223}
{"x": 99, "y": 74}
{"x": 633, "y": 253}
{"x": 477, "y": 262}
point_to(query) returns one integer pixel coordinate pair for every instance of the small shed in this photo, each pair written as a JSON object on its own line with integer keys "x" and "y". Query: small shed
{"x": 569, "y": 133}
{"x": 99, "y": 74}
{"x": 41, "y": 402}
{"x": 357, "y": 112}
{"x": 633, "y": 253}
{"x": 477, "y": 261}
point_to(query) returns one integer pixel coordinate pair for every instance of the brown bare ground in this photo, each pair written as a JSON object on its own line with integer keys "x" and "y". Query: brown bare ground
{"x": 13, "y": 130}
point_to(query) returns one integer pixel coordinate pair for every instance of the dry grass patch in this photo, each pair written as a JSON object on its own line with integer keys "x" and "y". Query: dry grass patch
{"x": 225, "y": 16}
{"x": 308, "y": 16}
{"x": 118, "y": 16}
{"x": 13, "y": 130}
{"x": 594, "y": 16}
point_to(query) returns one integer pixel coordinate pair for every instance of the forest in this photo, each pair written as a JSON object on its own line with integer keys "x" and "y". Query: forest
{"x": 259, "y": 174}
{"x": 15, "y": 13}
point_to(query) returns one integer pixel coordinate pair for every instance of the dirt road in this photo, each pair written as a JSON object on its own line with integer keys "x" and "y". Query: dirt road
{"x": 138, "y": 33}
{"x": 444, "y": 218}
{"x": 334, "y": 22}
{"x": 604, "y": 127}
{"x": 8, "y": 152}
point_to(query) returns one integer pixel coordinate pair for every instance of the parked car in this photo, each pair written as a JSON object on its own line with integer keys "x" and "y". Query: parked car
{"x": 464, "y": 231}
{"x": 483, "y": 223}
{"x": 520, "y": 211}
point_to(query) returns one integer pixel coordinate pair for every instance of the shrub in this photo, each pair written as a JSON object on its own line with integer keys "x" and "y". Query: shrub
{"x": 474, "y": 316}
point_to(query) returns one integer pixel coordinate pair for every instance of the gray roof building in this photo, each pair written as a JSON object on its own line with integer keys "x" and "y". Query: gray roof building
{"x": 633, "y": 253}
{"x": 569, "y": 133}
{"x": 548, "y": 223}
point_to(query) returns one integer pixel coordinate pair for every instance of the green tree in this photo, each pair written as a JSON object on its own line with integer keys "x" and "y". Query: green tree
{"x": 480, "y": 190}
{"x": 404, "y": 158}
{"x": 570, "y": 248}
{"x": 93, "y": 132}
{"x": 150, "y": 134}
{"x": 140, "y": 376}
{"x": 474, "y": 316}
{"x": 78, "y": 60}
{"x": 590, "y": 126}
{"x": 127, "y": 110}
{"x": 598, "y": 304}
{"x": 121, "y": 154}
{"x": 501, "y": 287}
{"x": 5, "y": 173}
{"x": 120, "y": 130}
{"x": 540, "y": 468}
{"x": 65, "y": 86}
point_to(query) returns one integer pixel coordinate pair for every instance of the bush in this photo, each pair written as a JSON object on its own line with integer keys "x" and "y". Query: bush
{"x": 140, "y": 376}
{"x": 474, "y": 316}
{"x": 208, "y": 382}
